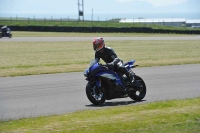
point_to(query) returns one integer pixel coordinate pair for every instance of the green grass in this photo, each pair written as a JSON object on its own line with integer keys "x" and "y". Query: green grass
{"x": 62, "y": 22}
{"x": 176, "y": 116}
{"x": 27, "y": 58}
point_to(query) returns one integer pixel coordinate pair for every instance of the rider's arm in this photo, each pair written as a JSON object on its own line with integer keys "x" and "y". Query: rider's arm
{"x": 114, "y": 58}
{"x": 112, "y": 53}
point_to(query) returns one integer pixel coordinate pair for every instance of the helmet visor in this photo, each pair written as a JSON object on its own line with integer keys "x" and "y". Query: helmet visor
{"x": 94, "y": 46}
{"x": 98, "y": 47}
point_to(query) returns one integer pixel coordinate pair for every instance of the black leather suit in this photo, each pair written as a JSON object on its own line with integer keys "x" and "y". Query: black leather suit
{"x": 109, "y": 57}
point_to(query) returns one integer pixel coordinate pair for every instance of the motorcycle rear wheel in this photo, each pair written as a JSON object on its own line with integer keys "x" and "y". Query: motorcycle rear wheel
{"x": 136, "y": 95}
{"x": 96, "y": 96}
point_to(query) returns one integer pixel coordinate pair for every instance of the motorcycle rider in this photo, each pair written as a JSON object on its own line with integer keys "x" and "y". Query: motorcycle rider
{"x": 108, "y": 55}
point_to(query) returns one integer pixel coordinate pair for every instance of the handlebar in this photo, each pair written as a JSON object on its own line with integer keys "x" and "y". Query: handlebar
{"x": 135, "y": 66}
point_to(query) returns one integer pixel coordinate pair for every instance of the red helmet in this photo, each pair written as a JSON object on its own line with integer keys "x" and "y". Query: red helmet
{"x": 98, "y": 43}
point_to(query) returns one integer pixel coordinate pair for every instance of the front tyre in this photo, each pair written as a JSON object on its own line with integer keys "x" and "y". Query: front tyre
{"x": 138, "y": 95}
{"x": 95, "y": 94}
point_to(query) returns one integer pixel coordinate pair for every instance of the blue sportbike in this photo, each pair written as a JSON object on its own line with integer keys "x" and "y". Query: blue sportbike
{"x": 106, "y": 84}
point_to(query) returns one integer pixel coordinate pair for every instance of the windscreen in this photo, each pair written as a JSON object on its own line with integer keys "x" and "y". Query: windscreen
{"x": 94, "y": 61}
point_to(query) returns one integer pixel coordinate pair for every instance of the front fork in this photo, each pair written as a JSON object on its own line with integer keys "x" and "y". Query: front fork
{"x": 97, "y": 91}
{"x": 98, "y": 83}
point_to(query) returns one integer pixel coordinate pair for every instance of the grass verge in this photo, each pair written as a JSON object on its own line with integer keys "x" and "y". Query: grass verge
{"x": 175, "y": 116}
{"x": 28, "y": 58}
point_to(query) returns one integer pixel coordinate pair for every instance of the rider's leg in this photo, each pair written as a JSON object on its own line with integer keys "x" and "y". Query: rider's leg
{"x": 127, "y": 73}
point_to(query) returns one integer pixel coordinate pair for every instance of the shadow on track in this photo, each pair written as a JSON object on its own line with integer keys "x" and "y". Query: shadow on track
{"x": 115, "y": 103}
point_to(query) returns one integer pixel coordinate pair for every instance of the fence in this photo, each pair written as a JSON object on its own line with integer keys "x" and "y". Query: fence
{"x": 69, "y": 22}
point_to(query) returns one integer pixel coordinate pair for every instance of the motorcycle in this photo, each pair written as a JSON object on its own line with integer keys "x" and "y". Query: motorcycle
{"x": 5, "y": 32}
{"x": 106, "y": 84}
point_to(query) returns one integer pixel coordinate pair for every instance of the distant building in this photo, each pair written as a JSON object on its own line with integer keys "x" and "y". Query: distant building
{"x": 193, "y": 23}
{"x": 164, "y": 21}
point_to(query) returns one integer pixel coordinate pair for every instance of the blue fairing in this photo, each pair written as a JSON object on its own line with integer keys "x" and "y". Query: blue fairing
{"x": 129, "y": 64}
{"x": 102, "y": 72}
{"x": 97, "y": 70}
{"x": 95, "y": 66}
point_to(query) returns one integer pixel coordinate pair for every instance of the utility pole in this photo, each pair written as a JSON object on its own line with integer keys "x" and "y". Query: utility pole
{"x": 92, "y": 14}
{"x": 80, "y": 11}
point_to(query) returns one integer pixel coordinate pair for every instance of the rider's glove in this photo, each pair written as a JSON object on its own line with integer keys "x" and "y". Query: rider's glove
{"x": 115, "y": 61}
{"x": 110, "y": 64}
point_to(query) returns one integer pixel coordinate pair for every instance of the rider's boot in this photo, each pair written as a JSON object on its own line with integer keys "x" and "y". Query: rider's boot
{"x": 135, "y": 85}
{"x": 130, "y": 77}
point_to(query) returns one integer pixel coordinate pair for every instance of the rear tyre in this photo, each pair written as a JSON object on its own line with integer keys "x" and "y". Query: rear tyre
{"x": 95, "y": 94}
{"x": 138, "y": 95}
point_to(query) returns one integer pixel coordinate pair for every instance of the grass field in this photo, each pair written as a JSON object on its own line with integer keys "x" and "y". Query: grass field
{"x": 27, "y": 58}
{"x": 177, "y": 116}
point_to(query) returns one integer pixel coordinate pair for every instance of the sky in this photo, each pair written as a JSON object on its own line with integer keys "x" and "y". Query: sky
{"x": 106, "y": 7}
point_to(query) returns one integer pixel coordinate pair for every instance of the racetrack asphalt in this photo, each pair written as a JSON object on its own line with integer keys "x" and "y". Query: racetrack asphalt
{"x": 51, "y": 94}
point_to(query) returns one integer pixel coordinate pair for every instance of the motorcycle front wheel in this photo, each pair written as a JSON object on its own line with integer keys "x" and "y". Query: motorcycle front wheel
{"x": 95, "y": 94}
{"x": 138, "y": 95}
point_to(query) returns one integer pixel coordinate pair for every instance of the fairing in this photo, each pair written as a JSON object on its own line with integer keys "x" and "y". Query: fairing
{"x": 96, "y": 70}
